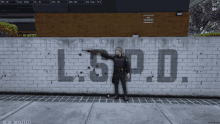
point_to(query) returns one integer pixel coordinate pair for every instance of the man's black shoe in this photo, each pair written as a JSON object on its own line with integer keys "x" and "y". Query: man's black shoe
{"x": 116, "y": 97}
{"x": 126, "y": 98}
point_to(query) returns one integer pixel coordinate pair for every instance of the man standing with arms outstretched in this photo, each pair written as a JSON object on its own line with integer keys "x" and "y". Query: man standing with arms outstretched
{"x": 121, "y": 66}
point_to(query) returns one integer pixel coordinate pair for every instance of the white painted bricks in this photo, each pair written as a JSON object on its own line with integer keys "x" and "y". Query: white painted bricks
{"x": 31, "y": 65}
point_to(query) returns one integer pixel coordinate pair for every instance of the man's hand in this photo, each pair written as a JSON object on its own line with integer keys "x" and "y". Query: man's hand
{"x": 128, "y": 75}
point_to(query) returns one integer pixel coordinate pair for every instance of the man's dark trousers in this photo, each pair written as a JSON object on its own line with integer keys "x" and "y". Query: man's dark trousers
{"x": 116, "y": 78}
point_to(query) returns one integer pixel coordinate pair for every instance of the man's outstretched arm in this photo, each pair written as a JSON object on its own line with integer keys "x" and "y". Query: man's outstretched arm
{"x": 100, "y": 52}
{"x": 105, "y": 55}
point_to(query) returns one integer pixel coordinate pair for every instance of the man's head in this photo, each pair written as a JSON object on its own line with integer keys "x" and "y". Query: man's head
{"x": 118, "y": 51}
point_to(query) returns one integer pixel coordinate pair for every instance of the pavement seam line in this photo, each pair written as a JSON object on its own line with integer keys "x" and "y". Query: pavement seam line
{"x": 19, "y": 108}
{"x": 205, "y": 101}
{"x": 163, "y": 113}
{"x": 67, "y": 99}
{"x": 74, "y": 99}
{"x": 80, "y": 99}
{"x": 87, "y": 99}
{"x": 89, "y": 112}
{"x": 54, "y": 98}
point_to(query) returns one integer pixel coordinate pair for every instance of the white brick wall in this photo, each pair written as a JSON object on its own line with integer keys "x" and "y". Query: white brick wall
{"x": 31, "y": 65}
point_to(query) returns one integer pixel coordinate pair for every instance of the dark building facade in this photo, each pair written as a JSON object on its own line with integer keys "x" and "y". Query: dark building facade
{"x": 113, "y": 18}
{"x": 95, "y": 6}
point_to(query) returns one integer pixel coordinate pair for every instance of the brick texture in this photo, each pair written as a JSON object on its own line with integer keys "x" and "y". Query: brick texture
{"x": 32, "y": 65}
{"x": 110, "y": 24}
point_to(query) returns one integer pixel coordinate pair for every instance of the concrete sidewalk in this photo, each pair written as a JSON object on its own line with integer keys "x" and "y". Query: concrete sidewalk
{"x": 107, "y": 113}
